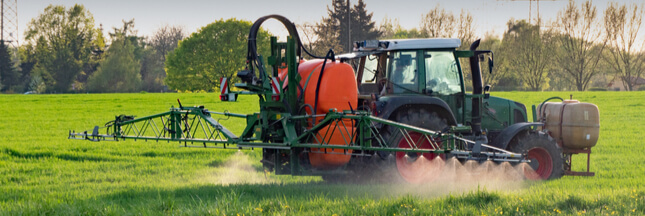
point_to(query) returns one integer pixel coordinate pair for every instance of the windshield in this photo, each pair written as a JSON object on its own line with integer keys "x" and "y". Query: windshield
{"x": 442, "y": 74}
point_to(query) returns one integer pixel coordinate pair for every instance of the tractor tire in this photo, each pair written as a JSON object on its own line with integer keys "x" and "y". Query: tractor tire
{"x": 414, "y": 116}
{"x": 398, "y": 165}
{"x": 546, "y": 157}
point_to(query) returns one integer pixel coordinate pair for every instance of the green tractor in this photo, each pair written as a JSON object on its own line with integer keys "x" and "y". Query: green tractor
{"x": 420, "y": 82}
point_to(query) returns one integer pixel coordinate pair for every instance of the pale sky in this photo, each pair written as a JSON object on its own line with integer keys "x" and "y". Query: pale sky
{"x": 490, "y": 15}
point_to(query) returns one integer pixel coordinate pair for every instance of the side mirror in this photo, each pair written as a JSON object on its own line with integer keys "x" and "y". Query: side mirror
{"x": 490, "y": 65}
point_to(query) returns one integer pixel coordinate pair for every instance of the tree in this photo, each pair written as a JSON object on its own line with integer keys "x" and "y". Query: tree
{"x": 622, "y": 26}
{"x": 412, "y": 33}
{"x": 166, "y": 39}
{"x": 119, "y": 71}
{"x": 466, "y": 29}
{"x": 529, "y": 52}
{"x": 216, "y": 50}
{"x": 326, "y": 38}
{"x": 346, "y": 25}
{"x": 389, "y": 27}
{"x": 491, "y": 42}
{"x": 362, "y": 27}
{"x": 128, "y": 32}
{"x": 439, "y": 23}
{"x": 8, "y": 74}
{"x": 160, "y": 44}
{"x": 65, "y": 37}
{"x": 578, "y": 56}
{"x": 339, "y": 23}
{"x": 99, "y": 45}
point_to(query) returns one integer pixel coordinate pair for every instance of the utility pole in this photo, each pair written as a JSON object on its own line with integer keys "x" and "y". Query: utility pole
{"x": 2, "y": 22}
{"x": 531, "y": 8}
{"x": 349, "y": 27}
{"x": 9, "y": 22}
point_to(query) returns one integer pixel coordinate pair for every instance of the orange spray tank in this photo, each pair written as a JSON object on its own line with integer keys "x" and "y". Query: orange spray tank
{"x": 338, "y": 90}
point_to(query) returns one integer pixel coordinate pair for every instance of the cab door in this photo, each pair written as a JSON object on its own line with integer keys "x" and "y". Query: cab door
{"x": 443, "y": 78}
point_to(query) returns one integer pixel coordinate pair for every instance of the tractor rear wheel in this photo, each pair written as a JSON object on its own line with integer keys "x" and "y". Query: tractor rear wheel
{"x": 545, "y": 155}
{"x": 415, "y": 167}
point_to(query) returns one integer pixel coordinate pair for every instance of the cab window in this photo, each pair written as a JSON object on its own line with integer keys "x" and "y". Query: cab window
{"x": 402, "y": 71}
{"x": 369, "y": 72}
{"x": 442, "y": 74}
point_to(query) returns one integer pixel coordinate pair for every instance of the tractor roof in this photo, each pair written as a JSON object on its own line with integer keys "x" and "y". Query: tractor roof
{"x": 370, "y": 47}
{"x": 407, "y": 44}
{"x": 428, "y": 43}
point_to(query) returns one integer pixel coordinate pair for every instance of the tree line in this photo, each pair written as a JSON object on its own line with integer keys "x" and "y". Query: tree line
{"x": 65, "y": 52}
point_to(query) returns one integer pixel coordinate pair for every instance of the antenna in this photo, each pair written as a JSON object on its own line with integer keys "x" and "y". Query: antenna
{"x": 9, "y": 23}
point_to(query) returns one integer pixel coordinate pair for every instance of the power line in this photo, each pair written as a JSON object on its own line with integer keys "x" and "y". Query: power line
{"x": 531, "y": 7}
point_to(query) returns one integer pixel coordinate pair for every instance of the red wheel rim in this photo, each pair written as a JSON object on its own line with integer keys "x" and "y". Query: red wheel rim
{"x": 411, "y": 166}
{"x": 541, "y": 162}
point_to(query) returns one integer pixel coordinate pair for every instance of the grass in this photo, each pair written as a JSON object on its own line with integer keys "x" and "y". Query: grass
{"x": 43, "y": 173}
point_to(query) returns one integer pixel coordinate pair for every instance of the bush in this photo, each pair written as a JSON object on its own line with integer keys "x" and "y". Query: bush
{"x": 598, "y": 89}
{"x": 641, "y": 88}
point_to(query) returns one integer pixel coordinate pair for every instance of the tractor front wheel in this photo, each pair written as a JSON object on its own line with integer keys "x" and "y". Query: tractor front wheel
{"x": 545, "y": 155}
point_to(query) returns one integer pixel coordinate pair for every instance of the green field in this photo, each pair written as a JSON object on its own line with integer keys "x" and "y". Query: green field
{"x": 44, "y": 173}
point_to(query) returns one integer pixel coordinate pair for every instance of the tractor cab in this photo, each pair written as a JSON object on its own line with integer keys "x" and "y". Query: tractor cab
{"x": 408, "y": 66}
{"x": 396, "y": 74}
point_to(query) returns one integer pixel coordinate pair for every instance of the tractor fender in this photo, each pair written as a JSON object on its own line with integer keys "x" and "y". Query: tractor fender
{"x": 504, "y": 138}
{"x": 388, "y": 105}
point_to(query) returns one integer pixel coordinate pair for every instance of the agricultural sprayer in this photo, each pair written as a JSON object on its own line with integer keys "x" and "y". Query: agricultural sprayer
{"x": 389, "y": 103}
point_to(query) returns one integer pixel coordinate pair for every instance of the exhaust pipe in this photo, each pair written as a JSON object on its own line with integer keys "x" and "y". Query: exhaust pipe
{"x": 478, "y": 88}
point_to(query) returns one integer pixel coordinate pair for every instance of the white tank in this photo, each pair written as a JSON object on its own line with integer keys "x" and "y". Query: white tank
{"x": 573, "y": 124}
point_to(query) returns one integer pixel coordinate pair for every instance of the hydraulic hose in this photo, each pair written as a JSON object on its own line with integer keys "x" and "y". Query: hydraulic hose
{"x": 252, "y": 53}
{"x": 330, "y": 53}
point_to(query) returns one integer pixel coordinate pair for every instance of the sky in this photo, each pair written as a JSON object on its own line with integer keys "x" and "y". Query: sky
{"x": 490, "y": 16}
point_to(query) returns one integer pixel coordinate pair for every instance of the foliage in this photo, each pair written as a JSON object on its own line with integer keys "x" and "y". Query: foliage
{"x": 119, "y": 72}
{"x": 412, "y": 33}
{"x": 500, "y": 69}
{"x": 530, "y": 53}
{"x": 164, "y": 40}
{"x": 152, "y": 71}
{"x": 343, "y": 25}
{"x": 42, "y": 172}
{"x": 326, "y": 38}
{"x": 622, "y": 25}
{"x": 362, "y": 26}
{"x": 439, "y": 23}
{"x": 8, "y": 74}
{"x": 597, "y": 89}
{"x": 580, "y": 44}
{"x": 318, "y": 38}
{"x": 65, "y": 40}
{"x": 388, "y": 27}
{"x": 216, "y": 50}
